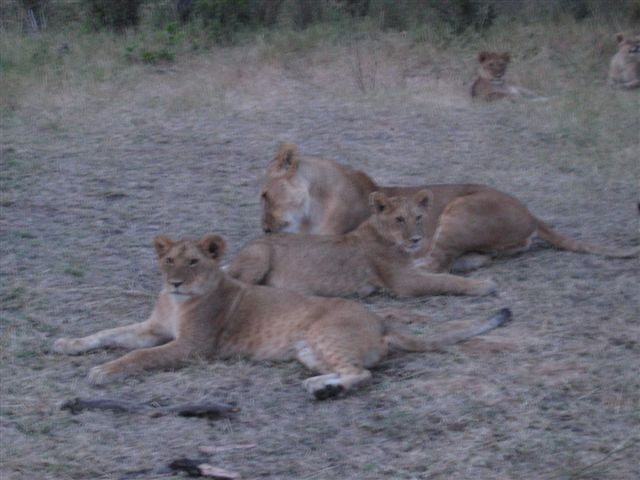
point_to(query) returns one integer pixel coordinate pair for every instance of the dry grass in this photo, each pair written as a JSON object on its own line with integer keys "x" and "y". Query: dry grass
{"x": 93, "y": 165}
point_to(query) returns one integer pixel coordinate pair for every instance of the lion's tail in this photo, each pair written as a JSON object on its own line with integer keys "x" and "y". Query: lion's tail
{"x": 567, "y": 243}
{"x": 413, "y": 343}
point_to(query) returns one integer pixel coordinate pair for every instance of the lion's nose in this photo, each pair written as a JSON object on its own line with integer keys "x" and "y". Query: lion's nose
{"x": 176, "y": 283}
{"x": 267, "y": 230}
{"x": 415, "y": 240}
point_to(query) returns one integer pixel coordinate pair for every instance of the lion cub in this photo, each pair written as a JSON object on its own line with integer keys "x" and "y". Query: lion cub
{"x": 624, "y": 70}
{"x": 201, "y": 311}
{"x": 491, "y": 83}
{"x": 379, "y": 254}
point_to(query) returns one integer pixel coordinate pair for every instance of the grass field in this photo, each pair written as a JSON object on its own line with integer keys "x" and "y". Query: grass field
{"x": 101, "y": 151}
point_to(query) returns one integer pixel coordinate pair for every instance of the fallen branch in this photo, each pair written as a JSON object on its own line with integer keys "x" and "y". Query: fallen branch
{"x": 209, "y": 410}
{"x": 199, "y": 468}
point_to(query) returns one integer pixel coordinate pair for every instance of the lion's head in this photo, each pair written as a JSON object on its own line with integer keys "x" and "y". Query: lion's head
{"x": 189, "y": 268}
{"x": 399, "y": 219}
{"x": 493, "y": 66}
{"x": 285, "y": 196}
{"x": 629, "y": 46}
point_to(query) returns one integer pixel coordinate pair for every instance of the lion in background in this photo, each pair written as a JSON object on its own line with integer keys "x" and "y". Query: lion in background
{"x": 624, "y": 69}
{"x": 203, "y": 312}
{"x": 491, "y": 83}
{"x": 306, "y": 194}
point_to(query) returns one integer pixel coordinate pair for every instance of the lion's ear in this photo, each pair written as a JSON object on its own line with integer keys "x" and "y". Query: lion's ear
{"x": 287, "y": 158}
{"x": 620, "y": 37}
{"x": 423, "y": 198}
{"x": 378, "y": 202}
{"x": 162, "y": 244}
{"x": 506, "y": 56}
{"x": 212, "y": 246}
{"x": 482, "y": 56}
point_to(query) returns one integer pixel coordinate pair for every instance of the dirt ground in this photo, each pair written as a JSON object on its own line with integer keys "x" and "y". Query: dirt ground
{"x": 87, "y": 183}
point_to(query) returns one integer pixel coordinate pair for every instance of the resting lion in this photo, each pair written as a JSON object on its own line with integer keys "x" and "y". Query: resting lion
{"x": 314, "y": 195}
{"x": 379, "y": 254}
{"x": 491, "y": 83}
{"x": 624, "y": 70}
{"x": 201, "y": 311}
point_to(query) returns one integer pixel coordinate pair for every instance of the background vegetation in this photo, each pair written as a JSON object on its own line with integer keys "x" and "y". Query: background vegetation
{"x": 83, "y": 48}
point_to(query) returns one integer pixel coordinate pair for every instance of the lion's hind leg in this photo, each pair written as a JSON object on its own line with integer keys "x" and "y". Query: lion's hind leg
{"x": 341, "y": 348}
{"x": 331, "y": 385}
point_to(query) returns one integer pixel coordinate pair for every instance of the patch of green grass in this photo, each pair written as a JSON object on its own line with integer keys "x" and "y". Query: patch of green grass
{"x": 74, "y": 271}
{"x": 13, "y": 298}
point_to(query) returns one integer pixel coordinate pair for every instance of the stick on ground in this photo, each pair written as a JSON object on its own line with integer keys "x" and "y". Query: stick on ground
{"x": 210, "y": 410}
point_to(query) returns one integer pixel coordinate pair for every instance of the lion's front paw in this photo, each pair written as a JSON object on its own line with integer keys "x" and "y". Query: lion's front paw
{"x": 486, "y": 287}
{"x": 68, "y": 346}
{"x": 102, "y": 374}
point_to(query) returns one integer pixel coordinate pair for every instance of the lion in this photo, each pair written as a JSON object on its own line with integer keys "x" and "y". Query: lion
{"x": 313, "y": 195}
{"x": 378, "y": 255}
{"x": 624, "y": 70}
{"x": 203, "y": 312}
{"x": 491, "y": 83}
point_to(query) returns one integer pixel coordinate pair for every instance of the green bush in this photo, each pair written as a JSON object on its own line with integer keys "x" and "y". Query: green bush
{"x": 222, "y": 18}
{"x": 114, "y": 14}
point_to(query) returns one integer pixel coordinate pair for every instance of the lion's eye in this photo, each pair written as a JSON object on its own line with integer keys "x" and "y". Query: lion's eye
{"x": 169, "y": 261}
{"x": 400, "y": 219}
{"x": 264, "y": 196}
{"x": 193, "y": 261}
{"x": 418, "y": 218}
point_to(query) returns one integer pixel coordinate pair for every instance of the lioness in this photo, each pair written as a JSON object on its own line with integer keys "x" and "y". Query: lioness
{"x": 491, "y": 83}
{"x": 314, "y": 195}
{"x": 379, "y": 254}
{"x": 624, "y": 70}
{"x": 202, "y": 311}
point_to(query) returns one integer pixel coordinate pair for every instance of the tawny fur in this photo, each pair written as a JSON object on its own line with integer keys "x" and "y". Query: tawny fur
{"x": 315, "y": 195}
{"x": 379, "y": 254}
{"x": 491, "y": 83}
{"x": 624, "y": 69}
{"x": 202, "y": 312}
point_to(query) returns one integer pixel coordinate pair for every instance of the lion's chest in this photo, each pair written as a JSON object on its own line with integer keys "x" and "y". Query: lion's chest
{"x": 171, "y": 313}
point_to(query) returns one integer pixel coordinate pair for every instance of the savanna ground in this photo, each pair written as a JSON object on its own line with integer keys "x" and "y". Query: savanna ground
{"x": 99, "y": 155}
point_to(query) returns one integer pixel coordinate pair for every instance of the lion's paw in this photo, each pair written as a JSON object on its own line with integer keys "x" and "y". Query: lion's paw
{"x": 486, "y": 287}
{"x": 101, "y": 374}
{"x": 68, "y": 346}
{"x": 323, "y": 387}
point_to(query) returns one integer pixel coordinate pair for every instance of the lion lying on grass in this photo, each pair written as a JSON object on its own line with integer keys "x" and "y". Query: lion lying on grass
{"x": 379, "y": 254}
{"x": 201, "y": 311}
{"x": 491, "y": 83}
{"x": 315, "y": 195}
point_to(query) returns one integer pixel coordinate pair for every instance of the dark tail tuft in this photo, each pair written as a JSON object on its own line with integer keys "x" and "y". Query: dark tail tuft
{"x": 502, "y": 317}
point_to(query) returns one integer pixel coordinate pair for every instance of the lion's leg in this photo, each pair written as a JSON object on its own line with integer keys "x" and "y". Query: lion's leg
{"x": 251, "y": 265}
{"x": 470, "y": 261}
{"x": 341, "y": 346}
{"x": 138, "y": 335}
{"x": 170, "y": 355}
{"x": 416, "y": 283}
{"x": 483, "y": 222}
{"x": 332, "y": 384}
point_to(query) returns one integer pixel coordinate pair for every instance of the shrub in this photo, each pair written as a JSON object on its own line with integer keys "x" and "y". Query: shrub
{"x": 115, "y": 14}
{"x": 222, "y": 18}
